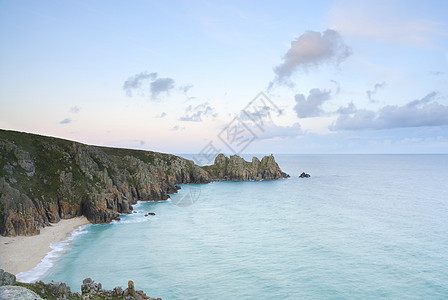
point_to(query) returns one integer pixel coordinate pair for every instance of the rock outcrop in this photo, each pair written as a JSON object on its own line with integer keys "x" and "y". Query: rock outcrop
{"x": 12, "y": 292}
{"x": 236, "y": 168}
{"x": 11, "y": 289}
{"x": 304, "y": 175}
{"x": 7, "y": 278}
{"x": 45, "y": 179}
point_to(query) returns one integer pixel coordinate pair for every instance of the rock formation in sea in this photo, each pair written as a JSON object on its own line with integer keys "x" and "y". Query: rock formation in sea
{"x": 45, "y": 179}
{"x": 304, "y": 175}
{"x": 12, "y": 289}
{"x": 236, "y": 168}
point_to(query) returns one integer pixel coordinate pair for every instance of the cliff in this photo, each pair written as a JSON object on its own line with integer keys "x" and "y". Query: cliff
{"x": 45, "y": 179}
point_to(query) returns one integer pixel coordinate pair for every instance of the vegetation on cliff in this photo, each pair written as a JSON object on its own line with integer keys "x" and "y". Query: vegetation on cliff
{"x": 45, "y": 179}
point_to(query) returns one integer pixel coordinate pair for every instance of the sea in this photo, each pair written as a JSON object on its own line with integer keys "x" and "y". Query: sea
{"x": 361, "y": 227}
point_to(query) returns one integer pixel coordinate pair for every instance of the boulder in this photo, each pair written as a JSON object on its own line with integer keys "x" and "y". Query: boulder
{"x": 7, "y": 278}
{"x": 17, "y": 292}
{"x": 304, "y": 175}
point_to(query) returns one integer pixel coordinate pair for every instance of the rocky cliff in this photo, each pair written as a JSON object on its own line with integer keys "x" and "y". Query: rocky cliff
{"x": 45, "y": 179}
{"x": 236, "y": 168}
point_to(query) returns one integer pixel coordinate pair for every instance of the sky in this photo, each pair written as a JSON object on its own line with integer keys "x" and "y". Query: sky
{"x": 229, "y": 76}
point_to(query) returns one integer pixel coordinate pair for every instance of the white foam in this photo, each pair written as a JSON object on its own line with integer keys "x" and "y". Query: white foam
{"x": 135, "y": 219}
{"x": 58, "y": 249}
{"x": 137, "y": 216}
{"x": 136, "y": 205}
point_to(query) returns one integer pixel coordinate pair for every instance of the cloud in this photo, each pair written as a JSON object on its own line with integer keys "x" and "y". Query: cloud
{"x": 271, "y": 130}
{"x": 161, "y": 85}
{"x": 75, "y": 109}
{"x": 162, "y": 115}
{"x": 259, "y": 115}
{"x": 65, "y": 121}
{"x": 185, "y": 88}
{"x": 144, "y": 82}
{"x": 139, "y": 142}
{"x": 311, "y": 106}
{"x": 436, "y": 73}
{"x": 135, "y": 82}
{"x": 376, "y": 87}
{"x": 196, "y": 113}
{"x": 177, "y": 128}
{"x": 426, "y": 99}
{"x": 417, "y": 113}
{"x": 349, "y": 109}
{"x": 312, "y": 49}
{"x": 338, "y": 86}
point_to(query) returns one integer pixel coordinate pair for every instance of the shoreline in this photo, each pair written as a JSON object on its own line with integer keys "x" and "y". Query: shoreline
{"x": 23, "y": 253}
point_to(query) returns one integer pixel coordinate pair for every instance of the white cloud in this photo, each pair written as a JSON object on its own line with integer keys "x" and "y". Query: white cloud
{"x": 135, "y": 82}
{"x": 161, "y": 85}
{"x": 196, "y": 113}
{"x": 162, "y": 115}
{"x": 311, "y": 106}
{"x": 311, "y": 49}
{"x": 144, "y": 81}
{"x": 417, "y": 113}
{"x": 272, "y": 130}
{"x": 177, "y": 128}
{"x": 376, "y": 88}
{"x": 75, "y": 109}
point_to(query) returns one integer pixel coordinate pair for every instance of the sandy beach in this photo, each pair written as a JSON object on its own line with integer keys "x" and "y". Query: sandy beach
{"x": 22, "y": 253}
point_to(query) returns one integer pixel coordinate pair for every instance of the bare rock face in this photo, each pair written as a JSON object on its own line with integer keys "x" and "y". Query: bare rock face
{"x": 19, "y": 215}
{"x": 236, "y": 168}
{"x": 24, "y": 161}
{"x": 7, "y": 278}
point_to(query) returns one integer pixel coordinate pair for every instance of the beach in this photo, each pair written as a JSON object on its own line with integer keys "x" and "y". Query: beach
{"x": 22, "y": 253}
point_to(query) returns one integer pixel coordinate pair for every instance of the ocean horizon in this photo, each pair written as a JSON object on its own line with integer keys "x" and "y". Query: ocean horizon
{"x": 362, "y": 226}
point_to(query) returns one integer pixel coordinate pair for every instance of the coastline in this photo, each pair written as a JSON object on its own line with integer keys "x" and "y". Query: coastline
{"x": 23, "y": 253}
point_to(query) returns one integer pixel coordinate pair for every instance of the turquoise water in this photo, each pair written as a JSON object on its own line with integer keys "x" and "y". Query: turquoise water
{"x": 362, "y": 227}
